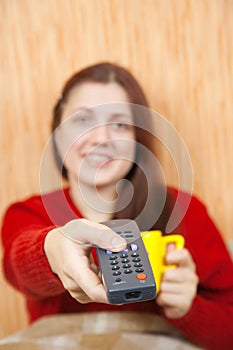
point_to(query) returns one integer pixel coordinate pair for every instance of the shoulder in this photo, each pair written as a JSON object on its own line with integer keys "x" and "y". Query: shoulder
{"x": 36, "y": 201}
{"x": 27, "y": 203}
{"x": 55, "y": 208}
{"x": 187, "y": 209}
{"x": 184, "y": 198}
{"x": 196, "y": 224}
{"x": 36, "y": 208}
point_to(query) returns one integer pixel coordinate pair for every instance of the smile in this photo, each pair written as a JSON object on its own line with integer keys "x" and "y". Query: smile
{"x": 97, "y": 160}
{"x": 98, "y": 157}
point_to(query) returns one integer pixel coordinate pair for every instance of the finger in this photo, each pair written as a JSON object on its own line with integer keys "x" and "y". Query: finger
{"x": 180, "y": 257}
{"x": 88, "y": 290}
{"x": 174, "y": 305}
{"x": 95, "y": 268}
{"x": 90, "y": 283}
{"x": 82, "y": 277}
{"x": 188, "y": 287}
{"x": 83, "y": 231}
{"x": 81, "y": 297}
{"x": 175, "y": 312}
{"x": 177, "y": 275}
{"x": 170, "y": 247}
{"x": 170, "y": 300}
{"x": 78, "y": 277}
{"x": 173, "y": 288}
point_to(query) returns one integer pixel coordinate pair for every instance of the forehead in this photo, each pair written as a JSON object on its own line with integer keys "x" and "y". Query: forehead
{"x": 101, "y": 97}
{"x": 93, "y": 93}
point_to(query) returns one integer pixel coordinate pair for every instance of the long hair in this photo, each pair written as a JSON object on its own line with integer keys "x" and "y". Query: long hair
{"x": 106, "y": 73}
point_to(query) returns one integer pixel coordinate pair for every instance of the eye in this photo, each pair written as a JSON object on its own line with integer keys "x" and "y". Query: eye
{"x": 82, "y": 120}
{"x": 120, "y": 125}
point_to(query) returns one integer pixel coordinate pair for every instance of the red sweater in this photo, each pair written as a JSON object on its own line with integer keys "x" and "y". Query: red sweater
{"x": 209, "y": 323}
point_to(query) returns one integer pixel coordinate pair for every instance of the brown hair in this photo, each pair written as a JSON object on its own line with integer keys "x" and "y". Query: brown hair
{"x": 105, "y": 73}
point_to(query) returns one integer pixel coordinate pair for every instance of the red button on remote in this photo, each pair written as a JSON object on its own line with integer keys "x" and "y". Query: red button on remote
{"x": 141, "y": 276}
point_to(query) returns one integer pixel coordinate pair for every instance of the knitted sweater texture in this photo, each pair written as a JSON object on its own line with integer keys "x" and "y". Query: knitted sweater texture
{"x": 209, "y": 322}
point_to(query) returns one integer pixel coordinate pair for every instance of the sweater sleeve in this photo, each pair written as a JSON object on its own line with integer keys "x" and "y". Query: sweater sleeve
{"x": 25, "y": 265}
{"x": 209, "y": 322}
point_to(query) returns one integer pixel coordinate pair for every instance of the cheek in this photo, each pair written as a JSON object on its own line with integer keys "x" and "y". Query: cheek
{"x": 127, "y": 150}
{"x": 71, "y": 155}
{"x": 68, "y": 147}
{"x": 126, "y": 157}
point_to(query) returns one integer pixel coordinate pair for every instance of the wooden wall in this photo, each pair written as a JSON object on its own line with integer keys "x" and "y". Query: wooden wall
{"x": 180, "y": 50}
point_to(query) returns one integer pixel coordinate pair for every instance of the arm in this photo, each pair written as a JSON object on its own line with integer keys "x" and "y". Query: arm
{"x": 68, "y": 251}
{"x": 209, "y": 320}
{"x": 42, "y": 261}
{"x": 25, "y": 265}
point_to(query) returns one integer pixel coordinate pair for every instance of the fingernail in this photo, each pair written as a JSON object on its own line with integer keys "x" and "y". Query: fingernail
{"x": 170, "y": 247}
{"x": 118, "y": 242}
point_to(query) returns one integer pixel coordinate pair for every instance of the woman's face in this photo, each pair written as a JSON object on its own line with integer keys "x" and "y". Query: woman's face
{"x": 97, "y": 138}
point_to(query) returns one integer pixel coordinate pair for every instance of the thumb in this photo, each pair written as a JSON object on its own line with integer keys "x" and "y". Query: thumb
{"x": 170, "y": 247}
{"x": 83, "y": 231}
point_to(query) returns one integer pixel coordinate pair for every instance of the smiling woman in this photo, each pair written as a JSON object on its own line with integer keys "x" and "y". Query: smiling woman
{"x": 97, "y": 144}
{"x": 108, "y": 94}
{"x": 103, "y": 144}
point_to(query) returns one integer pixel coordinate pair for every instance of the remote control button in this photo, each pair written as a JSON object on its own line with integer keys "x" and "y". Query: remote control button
{"x": 128, "y": 235}
{"x": 137, "y": 264}
{"x": 108, "y": 252}
{"x": 141, "y": 276}
{"x": 136, "y": 259}
{"x": 114, "y": 262}
{"x": 134, "y": 247}
{"x": 125, "y": 250}
{"x": 124, "y": 261}
{"x": 116, "y": 273}
{"x": 127, "y": 271}
{"x": 113, "y": 257}
{"x": 134, "y": 255}
{"x": 126, "y": 266}
{"x": 124, "y": 255}
{"x": 118, "y": 279}
{"x": 115, "y": 267}
{"x": 139, "y": 269}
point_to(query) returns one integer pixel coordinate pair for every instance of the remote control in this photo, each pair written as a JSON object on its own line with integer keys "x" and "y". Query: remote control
{"x": 127, "y": 275}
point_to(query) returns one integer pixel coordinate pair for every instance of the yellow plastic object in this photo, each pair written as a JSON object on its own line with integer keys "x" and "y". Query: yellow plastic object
{"x": 155, "y": 244}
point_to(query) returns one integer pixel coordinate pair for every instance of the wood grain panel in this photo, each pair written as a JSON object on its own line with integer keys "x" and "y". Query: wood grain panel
{"x": 181, "y": 51}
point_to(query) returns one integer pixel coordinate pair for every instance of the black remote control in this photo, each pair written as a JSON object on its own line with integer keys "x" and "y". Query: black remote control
{"x": 127, "y": 275}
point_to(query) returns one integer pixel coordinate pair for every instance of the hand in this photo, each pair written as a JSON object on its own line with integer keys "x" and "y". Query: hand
{"x": 68, "y": 252}
{"x": 179, "y": 285}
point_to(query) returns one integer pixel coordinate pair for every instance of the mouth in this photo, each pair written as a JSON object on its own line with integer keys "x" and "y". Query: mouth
{"x": 97, "y": 159}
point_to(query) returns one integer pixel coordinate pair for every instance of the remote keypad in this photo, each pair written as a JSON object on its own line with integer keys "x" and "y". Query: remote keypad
{"x": 127, "y": 275}
{"x": 126, "y": 262}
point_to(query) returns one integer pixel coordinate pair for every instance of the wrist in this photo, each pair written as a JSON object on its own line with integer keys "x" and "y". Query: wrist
{"x": 49, "y": 245}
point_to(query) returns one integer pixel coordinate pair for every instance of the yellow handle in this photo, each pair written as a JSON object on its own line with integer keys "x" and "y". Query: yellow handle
{"x": 155, "y": 245}
{"x": 178, "y": 240}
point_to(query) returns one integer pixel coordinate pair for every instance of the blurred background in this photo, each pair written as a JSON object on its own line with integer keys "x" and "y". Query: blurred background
{"x": 180, "y": 51}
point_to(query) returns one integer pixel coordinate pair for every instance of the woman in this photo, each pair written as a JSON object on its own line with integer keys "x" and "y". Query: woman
{"x": 101, "y": 135}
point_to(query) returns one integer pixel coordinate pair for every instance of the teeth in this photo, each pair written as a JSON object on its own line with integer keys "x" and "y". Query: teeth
{"x": 98, "y": 157}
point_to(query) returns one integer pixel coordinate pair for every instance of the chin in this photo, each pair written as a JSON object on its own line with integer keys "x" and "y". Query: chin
{"x": 105, "y": 183}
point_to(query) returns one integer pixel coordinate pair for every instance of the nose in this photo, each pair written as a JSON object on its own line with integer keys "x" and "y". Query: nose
{"x": 100, "y": 134}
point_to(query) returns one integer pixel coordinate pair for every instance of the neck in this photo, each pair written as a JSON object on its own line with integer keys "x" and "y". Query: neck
{"x": 96, "y": 204}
